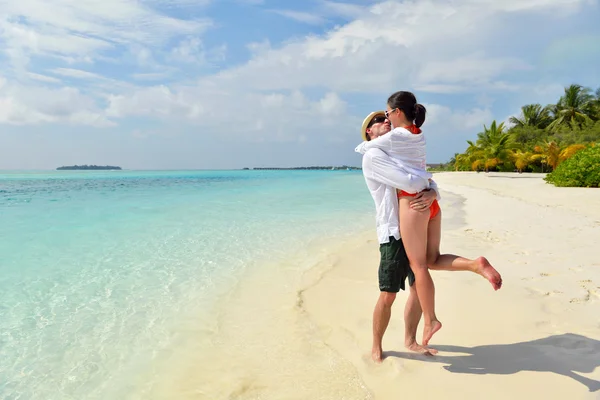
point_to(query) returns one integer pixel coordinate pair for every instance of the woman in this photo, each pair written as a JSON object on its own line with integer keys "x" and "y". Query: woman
{"x": 406, "y": 145}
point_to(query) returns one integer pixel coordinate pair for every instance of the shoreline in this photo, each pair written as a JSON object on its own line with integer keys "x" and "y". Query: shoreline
{"x": 261, "y": 341}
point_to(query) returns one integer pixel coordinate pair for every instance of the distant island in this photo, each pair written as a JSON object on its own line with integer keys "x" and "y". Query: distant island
{"x": 87, "y": 167}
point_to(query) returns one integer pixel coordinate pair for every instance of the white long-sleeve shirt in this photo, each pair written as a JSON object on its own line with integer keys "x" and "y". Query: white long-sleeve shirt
{"x": 383, "y": 176}
{"x": 405, "y": 148}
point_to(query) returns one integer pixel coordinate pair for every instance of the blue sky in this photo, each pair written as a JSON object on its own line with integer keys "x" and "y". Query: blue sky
{"x": 211, "y": 84}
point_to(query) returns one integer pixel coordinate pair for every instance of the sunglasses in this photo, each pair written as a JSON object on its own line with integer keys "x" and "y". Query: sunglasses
{"x": 377, "y": 120}
{"x": 387, "y": 113}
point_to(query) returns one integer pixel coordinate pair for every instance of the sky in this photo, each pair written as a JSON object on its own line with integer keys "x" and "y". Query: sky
{"x": 226, "y": 84}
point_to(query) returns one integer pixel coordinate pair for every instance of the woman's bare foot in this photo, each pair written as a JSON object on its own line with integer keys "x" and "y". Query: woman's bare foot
{"x": 417, "y": 348}
{"x": 377, "y": 355}
{"x": 429, "y": 330}
{"x": 485, "y": 269}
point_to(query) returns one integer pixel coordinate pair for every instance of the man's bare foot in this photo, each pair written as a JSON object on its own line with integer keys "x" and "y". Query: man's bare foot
{"x": 377, "y": 355}
{"x": 485, "y": 269}
{"x": 429, "y": 330}
{"x": 417, "y": 348}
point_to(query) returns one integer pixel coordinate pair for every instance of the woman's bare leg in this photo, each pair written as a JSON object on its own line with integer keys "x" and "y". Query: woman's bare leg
{"x": 413, "y": 229}
{"x": 451, "y": 262}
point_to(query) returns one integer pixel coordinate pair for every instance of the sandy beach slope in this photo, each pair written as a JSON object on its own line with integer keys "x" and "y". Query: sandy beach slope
{"x": 537, "y": 336}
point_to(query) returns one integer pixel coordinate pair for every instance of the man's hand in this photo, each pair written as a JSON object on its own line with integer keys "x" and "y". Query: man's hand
{"x": 423, "y": 200}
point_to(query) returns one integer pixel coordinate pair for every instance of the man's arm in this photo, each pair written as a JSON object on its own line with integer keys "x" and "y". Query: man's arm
{"x": 379, "y": 166}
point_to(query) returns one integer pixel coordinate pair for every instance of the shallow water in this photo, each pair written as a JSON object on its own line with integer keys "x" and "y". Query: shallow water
{"x": 101, "y": 271}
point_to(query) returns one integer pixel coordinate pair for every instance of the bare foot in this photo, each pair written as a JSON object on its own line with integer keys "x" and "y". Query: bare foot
{"x": 417, "y": 348}
{"x": 429, "y": 330}
{"x": 377, "y": 355}
{"x": 485, "y": 269}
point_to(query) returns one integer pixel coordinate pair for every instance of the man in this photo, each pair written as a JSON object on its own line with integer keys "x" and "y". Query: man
{"x": 383, "y": 177}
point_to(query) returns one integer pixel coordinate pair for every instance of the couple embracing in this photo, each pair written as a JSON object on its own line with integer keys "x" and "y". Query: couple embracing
{"x": 408, "y": 220}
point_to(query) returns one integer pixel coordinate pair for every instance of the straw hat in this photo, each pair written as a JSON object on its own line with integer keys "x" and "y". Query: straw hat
{"x": 367, "y": 121}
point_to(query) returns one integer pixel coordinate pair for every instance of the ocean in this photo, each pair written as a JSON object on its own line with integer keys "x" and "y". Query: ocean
{"x": 104, "y": 275}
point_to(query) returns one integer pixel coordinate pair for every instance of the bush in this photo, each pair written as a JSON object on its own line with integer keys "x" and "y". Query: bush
{"x": 581, "y": 170}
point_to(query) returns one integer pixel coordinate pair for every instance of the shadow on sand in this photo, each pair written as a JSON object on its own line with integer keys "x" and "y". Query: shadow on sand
{"x": 527, "y": 175}
{"x": 563, "y": 354}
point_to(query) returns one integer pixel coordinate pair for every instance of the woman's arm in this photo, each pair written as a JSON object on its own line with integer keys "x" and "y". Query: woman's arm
{"x": 388, "y": 142}
{"x": 380, "y": 167}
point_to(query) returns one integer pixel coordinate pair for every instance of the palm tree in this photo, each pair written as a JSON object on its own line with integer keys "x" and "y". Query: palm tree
{"x": 574, "y": 108}
{"x": 569, "y": 151}
{"x": 461, "y": 163}
{"x": 548, "y": 153}
{"x": 597, "y": 105}
{"x": 493, "y": 145}
{"x": 534, "y": 116}
{"x": 466, "y": 160}
{"x": 490, "y": 135}
{"x": 522, "y": 159}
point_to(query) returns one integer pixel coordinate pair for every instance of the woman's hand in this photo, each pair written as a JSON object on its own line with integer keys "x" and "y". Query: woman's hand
{"x": 423, "y": 200}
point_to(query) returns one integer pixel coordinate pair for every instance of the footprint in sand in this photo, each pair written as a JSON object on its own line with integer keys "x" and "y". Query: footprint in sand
{"x": 585, "y": 298}
{"x": 483, "y": 236}
{"x": 552, "y": 293}
{"x": 585, "y": 284}
{"x": 542, "y": 274}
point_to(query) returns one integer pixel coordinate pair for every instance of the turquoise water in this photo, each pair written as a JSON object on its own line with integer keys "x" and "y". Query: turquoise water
{"x": 96, "y": 267}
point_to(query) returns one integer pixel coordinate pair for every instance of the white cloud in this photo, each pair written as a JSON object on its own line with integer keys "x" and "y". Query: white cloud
{"x": 436, "y": 48}
{"x": 42, "y": 78}
{"x": 331, "y": 105}
{"x": 192, "y": 50}
{"x": 85, "y": 28}
{"x": 30, "y": 105}
{"x": 151, "y": 76}
{"x": 346, "y": 10}
{"x": 188, "y": 50}
{"x": 76, "y": 73}
{"x": 450, "y": 121}
{"x": 468, "y": 71}
{"x": 301, "y": 16}
{"x": 543, "y": 5}
{"x": 288, "y": 115}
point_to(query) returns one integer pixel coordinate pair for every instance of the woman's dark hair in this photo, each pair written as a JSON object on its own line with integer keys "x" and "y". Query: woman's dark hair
{"x": 407, "y": 102}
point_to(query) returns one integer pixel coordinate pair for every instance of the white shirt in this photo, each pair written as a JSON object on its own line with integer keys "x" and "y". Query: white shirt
{"x": 383, "y": 176}
{"x": 405, "y": 148}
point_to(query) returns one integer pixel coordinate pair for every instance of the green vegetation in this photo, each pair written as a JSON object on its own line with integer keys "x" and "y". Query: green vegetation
{"x": 582, "y": 169}
{"x": 540, "y": 140}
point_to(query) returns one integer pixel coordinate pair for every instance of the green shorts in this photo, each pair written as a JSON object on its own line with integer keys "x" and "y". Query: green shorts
{"x": 394, "y": 267}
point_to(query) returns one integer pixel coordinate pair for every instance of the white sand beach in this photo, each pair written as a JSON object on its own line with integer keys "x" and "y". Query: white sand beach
{"x": 289, "y": 335}
{"x": 537, "y": 336}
